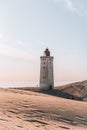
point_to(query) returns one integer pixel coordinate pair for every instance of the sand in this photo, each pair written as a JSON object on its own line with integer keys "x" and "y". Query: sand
{"x": 26, "y": 110}
{"x": 77, "y": 90}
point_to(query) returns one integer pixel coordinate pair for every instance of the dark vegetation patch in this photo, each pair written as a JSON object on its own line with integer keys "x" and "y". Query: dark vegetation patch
{"x": 73, "y": 91}
{"x": 54, "y": 92}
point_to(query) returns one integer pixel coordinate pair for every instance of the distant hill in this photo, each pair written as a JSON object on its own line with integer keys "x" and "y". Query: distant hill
{"x": 77, "y": 90}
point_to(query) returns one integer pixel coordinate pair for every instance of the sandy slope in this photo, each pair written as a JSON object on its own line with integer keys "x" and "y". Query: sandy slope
{"x": 78, "y": 90}
{"x": 26, "y": 110}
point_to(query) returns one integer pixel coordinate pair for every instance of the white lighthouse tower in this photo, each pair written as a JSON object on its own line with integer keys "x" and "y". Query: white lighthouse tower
{"x": 46, "y": 71}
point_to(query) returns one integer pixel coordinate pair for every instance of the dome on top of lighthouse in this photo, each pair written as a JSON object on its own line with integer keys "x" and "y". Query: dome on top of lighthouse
{"x": 47, "y": 52}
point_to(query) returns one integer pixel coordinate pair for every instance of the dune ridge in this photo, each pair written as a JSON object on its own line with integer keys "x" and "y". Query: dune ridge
{"x": 77, "y": 90}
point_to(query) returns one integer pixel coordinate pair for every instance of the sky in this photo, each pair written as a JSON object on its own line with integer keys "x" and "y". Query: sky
{"x": 27, "y": 27}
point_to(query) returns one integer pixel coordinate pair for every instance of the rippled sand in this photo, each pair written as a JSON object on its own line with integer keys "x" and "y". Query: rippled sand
{"x": 26, "y": 110}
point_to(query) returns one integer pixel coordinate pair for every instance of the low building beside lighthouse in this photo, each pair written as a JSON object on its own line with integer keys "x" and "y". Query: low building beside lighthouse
{"x": 46, "y": 71}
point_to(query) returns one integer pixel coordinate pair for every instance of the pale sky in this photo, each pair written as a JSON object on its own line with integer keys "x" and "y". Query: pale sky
{"x": 27, "y": 27}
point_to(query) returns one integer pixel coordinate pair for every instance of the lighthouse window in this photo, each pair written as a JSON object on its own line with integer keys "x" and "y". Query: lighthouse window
{"x": 44, "y": 63}
{"x": 43, "y": 67}
{"x": 43, "y": 77}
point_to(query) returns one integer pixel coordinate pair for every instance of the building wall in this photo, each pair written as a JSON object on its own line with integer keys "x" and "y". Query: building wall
{"x": 46, "y": 73}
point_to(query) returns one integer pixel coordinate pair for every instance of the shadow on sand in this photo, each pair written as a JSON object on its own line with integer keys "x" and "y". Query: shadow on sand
{"x": 54, "y": 92}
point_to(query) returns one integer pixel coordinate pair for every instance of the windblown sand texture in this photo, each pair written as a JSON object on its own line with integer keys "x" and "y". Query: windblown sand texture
{"x": 27, "y": 110}
{"x": 76, "y": 90}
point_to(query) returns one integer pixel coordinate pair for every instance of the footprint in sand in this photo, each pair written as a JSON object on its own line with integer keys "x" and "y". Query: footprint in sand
{"x": 12, "y": 112}
{"x": 19, "y": 126}
{"x": 4, "y": 120}
{"x": 38, "y": 123}
{"x": 64, "y": 127}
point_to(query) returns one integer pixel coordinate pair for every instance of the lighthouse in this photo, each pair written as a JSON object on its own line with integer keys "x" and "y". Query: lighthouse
{"x": 46, "y": 71}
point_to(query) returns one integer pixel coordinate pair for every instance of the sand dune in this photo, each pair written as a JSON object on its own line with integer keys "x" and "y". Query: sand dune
{"x": 76, "y": 90}
{"x": 26, "y": 110}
